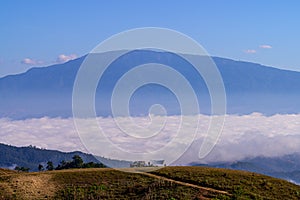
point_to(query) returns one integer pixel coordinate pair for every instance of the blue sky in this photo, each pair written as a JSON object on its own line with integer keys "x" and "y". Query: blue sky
{"x": 41, "y": 33}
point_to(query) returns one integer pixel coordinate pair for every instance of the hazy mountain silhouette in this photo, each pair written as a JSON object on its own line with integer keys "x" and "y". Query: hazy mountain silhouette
{"x": 31, "y": 157}
{"x": 250, "y": 87}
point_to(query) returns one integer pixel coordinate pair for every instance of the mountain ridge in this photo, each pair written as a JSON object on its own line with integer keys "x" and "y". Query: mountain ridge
{"x": 47, "y": 91}
{"x": 31, "y": 157}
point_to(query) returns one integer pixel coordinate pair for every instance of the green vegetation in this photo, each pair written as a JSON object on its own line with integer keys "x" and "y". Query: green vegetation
{"x": 21, "y": 169}
{"x": 77, "y": 162}
{"x": 166, "y": 183}
{"x": 41, "y": 167}
{"x": 50, "y": 166}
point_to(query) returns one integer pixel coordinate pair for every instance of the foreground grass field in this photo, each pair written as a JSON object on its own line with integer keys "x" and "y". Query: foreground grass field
{"x": 167, "y": 183}
{"x": 240, "y": 184}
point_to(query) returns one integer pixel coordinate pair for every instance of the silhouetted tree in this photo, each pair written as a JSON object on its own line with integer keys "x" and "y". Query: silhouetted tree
{"x": 50, "y": 165}
{"x": 17, "y": 168}
{"x": 22, "y": 169}
{"x": 93, "y": 165}
{"x": 77, "y": 161}
{"x": 41, "y": 167}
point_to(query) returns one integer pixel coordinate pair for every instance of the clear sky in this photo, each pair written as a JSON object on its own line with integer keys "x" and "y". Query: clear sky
{"x": 41, "y": 33}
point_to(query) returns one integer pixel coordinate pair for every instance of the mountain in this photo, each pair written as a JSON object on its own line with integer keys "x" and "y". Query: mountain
{"x": 284, "y": 167}
{"x": 31, "y": 157}
{"x": 250, "y": 87}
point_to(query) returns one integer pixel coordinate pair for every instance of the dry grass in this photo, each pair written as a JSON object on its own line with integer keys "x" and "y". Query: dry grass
{"x": 34, "y": 186}
{"x": 113, "y": 184}
{"x": 27, "y": 186}
{"x": 168, "y": 183}
{"x": 241, "y": 184}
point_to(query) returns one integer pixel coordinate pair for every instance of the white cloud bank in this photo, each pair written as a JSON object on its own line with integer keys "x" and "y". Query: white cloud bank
{"x": 242, "y": 136}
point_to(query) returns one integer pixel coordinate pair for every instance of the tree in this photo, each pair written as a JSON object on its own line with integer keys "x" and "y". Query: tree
{"x": 22, "y": 169}
{"x": 41, "y": 167}
{"x": 17, "y": 168}
{"x": 50, "y": 165}
{"x": 93, "y": 165}
{"x": 77, "y": 161}
{"x": 63, "y": 165}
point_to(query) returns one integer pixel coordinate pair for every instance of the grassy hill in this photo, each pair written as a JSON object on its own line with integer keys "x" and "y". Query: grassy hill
{"x": 166, "y": 183}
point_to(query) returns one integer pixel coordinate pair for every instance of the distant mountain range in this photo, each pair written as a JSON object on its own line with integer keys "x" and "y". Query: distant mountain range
{"x": 250, "y": 87}
{"x": 31, "y": 157}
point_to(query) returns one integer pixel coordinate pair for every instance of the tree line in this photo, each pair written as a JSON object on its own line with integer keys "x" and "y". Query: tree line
{"x": 76, "y": 162}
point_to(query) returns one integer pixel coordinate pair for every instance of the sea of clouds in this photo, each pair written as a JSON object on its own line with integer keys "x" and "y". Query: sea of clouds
{"x": 242, "y": 136}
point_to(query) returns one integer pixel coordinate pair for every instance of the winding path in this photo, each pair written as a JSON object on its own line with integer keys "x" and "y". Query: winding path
{"x": 186, "y": 184}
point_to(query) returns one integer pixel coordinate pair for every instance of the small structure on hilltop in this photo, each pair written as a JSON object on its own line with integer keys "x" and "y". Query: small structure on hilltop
{"x": 157, "y": 163}
{"x": 151, "y": 163}
{"x": 138, "y": 164}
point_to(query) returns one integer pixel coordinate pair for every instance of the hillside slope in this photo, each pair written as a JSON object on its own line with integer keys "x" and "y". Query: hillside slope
{"x": 167, "y": 183}
{"x": 284, "y": 167}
